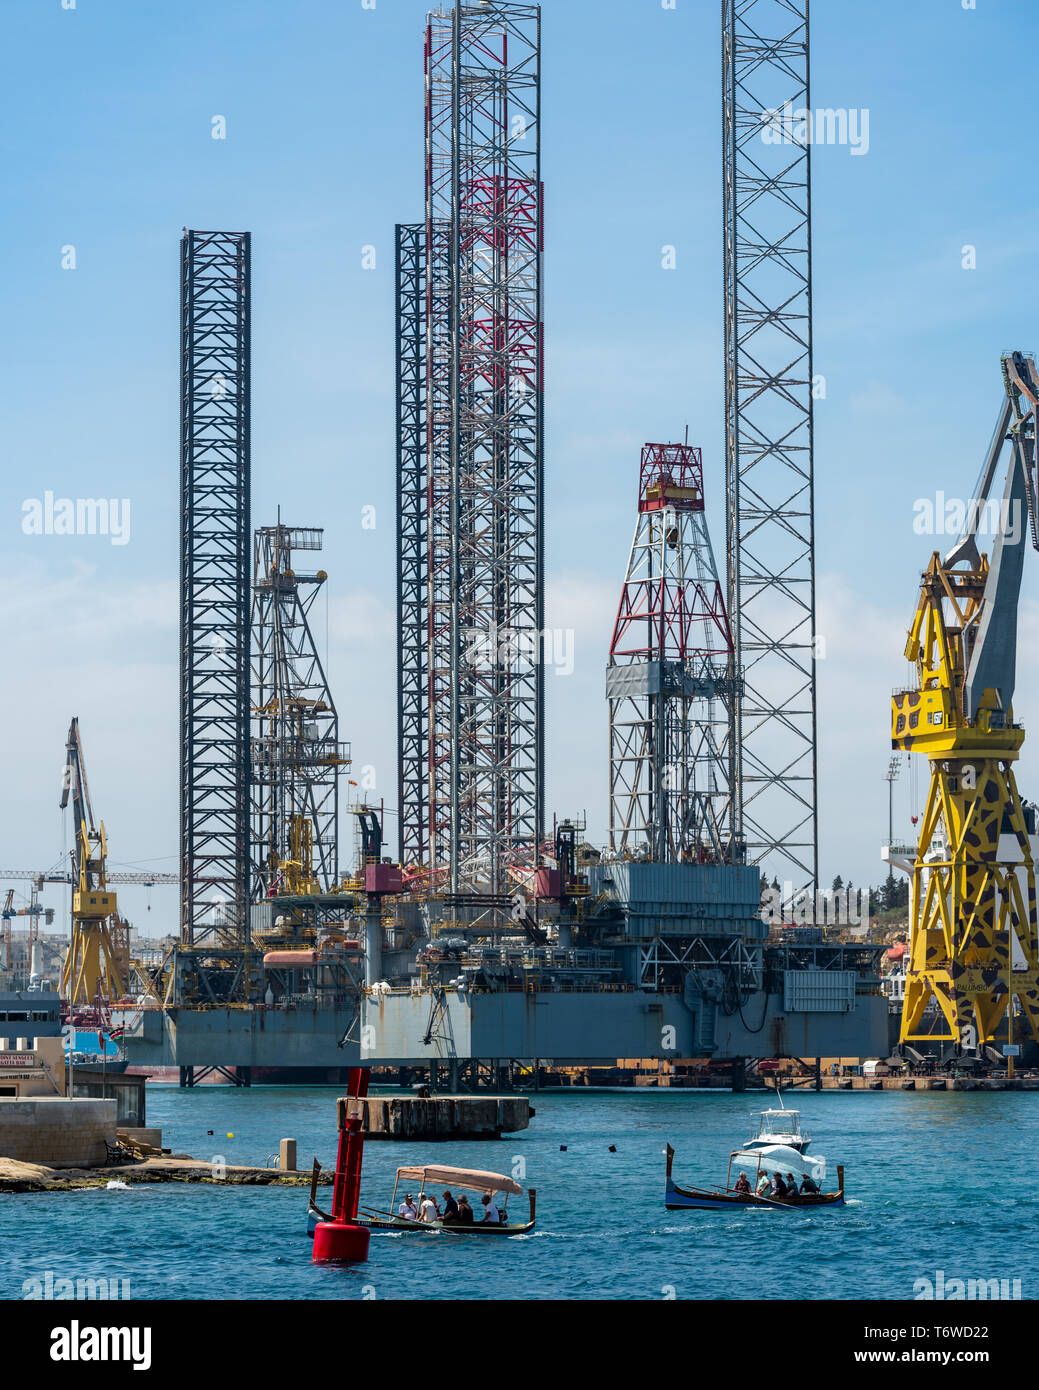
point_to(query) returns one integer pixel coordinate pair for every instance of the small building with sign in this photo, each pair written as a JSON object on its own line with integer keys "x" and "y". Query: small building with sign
{"x": 31, "y": 1067}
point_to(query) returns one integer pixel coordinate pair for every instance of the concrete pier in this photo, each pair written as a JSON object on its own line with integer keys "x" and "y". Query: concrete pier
{"x": 443, "y": 1117}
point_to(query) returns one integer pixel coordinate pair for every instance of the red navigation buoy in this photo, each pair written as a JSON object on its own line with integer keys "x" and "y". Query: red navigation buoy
{"x": 341, "y": 1240}
{"x": 337, "y": 1242}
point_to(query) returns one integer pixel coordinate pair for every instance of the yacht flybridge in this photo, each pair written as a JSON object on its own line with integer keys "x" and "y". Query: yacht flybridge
{"x": 777, "y": 1127}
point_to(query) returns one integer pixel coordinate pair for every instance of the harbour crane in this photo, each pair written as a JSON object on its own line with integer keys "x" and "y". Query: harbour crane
{"x": 34, "y": 910}
{"x": 974, "y": 938}
{"x": 7, "y": 914}
{"x": 91, "y": 969}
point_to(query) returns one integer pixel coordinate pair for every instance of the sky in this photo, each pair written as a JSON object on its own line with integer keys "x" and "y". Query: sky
{"x": 108, "y": 152}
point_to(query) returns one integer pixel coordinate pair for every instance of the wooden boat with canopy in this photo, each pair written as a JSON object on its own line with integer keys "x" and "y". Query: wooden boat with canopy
{"x": 435, "y": 1175}
{"x": 753, "y": 1162}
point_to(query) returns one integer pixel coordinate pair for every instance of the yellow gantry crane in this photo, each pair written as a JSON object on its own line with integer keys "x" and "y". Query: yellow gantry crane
{"x": 974, "y": 937}
{"x": 91, "y": 970}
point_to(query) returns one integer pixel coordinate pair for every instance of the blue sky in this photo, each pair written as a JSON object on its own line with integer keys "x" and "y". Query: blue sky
{"x": 107, "y": 148}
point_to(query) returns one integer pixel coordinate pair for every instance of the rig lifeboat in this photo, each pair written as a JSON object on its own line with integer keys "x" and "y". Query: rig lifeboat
{"x": 297, "y": 960}
{"x": 278, "y": 960}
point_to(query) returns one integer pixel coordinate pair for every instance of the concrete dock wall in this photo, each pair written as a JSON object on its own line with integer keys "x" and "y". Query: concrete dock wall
{"x": 56, "y": 1132}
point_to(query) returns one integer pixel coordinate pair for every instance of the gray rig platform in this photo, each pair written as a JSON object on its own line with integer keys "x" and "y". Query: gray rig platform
{"x": 661, "y": 961}
{"x": 654, "y": 961}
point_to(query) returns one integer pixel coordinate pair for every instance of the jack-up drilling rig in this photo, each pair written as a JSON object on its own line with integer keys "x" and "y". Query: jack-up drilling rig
{"x": 971, "y": 901}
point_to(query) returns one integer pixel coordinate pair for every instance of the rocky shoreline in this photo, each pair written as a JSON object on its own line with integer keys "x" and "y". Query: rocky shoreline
{"x": 34, "y": 1177}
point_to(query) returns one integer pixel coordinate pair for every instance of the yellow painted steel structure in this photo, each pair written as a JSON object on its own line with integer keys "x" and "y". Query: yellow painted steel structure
{"x": 91, "y": 968}
{"x": 968, "y": 904}
{"x": 91, "y": 971}
{"x": 298, "y": 877}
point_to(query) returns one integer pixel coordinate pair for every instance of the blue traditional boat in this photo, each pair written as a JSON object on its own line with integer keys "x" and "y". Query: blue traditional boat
{"x": 755, "y": 1163}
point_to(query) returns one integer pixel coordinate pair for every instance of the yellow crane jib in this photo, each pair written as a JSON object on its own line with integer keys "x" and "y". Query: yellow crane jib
{"x": 974, "y": 935}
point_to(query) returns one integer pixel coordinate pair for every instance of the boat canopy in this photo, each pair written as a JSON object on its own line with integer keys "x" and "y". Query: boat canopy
{"x": 459, "y": 1177}
{"x": 781, "y": 1157}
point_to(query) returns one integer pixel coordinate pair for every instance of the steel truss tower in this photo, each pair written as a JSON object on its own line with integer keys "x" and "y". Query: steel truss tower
{"x": 768, "y": 413}
{"x": 296, "y": 756}
{"x": 470, "y": 458}
{"x": 671, "y": 682}
{"x": 214, "y": 587}
{"x": 412, "y": 573}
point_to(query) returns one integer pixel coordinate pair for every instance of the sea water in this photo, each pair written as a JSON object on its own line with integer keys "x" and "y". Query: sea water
{"x": 936, "y": 1181}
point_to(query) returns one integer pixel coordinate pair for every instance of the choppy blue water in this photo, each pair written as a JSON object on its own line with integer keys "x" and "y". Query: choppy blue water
{"x": 935, "y": 1182}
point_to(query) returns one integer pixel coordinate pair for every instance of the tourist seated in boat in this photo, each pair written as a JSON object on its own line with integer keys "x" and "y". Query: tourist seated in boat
{"x": 465, "y": 1211}
{"x": 809, "y": 1186}
{"x": 491, "y": 1214}
{"x": 764, "y": 1183}
{"x": 450, "y": 1215}
{"x": 428, "y": 1209}
{"x": 742, "y": 1183}
{"x": 777, "y": 1187}
{"x": 791, "y": 1185}
{"x": 408, "y": 1209}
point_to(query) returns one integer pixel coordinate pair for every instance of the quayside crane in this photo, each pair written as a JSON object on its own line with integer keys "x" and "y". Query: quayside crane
{"x": 91, "y": 968}
{"x": 33, "y": 910}
{"x": 6, "y": 916}
{"x": 974, "y": 941}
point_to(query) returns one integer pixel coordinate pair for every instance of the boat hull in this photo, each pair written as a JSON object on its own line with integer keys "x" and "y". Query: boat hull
{"x": 399, "y": 1226}
{"x": 453, "y": 1228}
{"x": 685, "y": 1198}
{"x": 700, "y": 1199}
